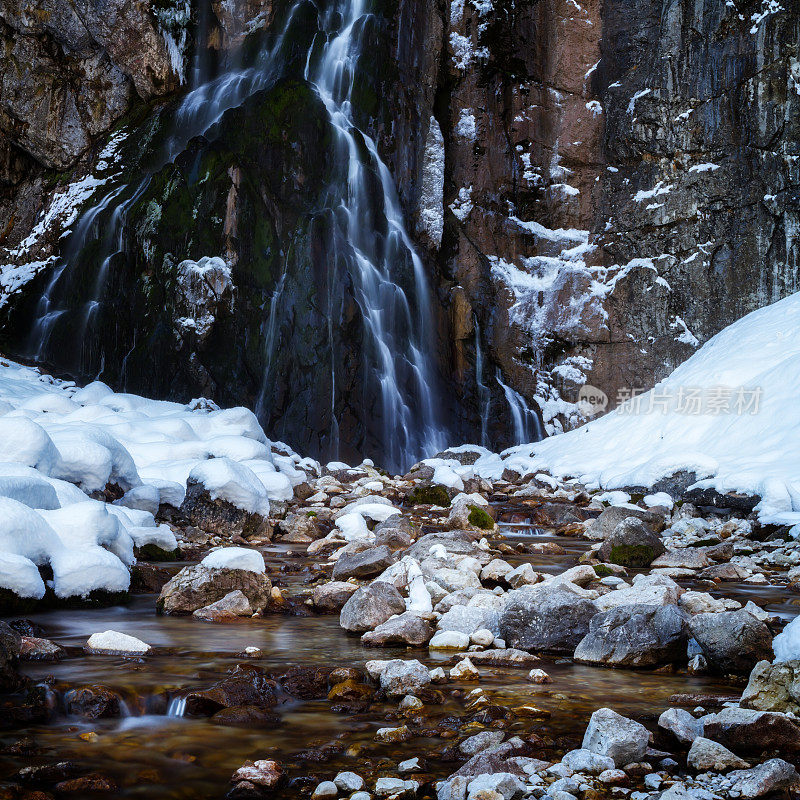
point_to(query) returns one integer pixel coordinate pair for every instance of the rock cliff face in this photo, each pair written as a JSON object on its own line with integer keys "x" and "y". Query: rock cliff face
{"x": 594, "y": 189}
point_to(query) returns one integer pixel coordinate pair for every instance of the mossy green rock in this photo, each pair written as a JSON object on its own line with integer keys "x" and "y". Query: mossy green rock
{"x": 434, "y": 495}
{"x": 480, "y": 519}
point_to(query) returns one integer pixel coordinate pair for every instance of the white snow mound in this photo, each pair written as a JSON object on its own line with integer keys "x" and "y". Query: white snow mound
{"x": 729, "y": 413}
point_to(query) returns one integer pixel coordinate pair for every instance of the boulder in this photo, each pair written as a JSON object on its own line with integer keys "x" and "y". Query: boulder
{"x": 680, "y": 725}
{"x": 400, "y": 677}
{"x": 621, "y": 739}
{"x": 10, "y": 646}
{"x": 550, "y": 618}
{"x": 773, "y": 687}
{"x": 468, "y": 619}
{"x": 220, "y": 516}
{"x": 684, "y": 558}
{"x": 34, "y": 648}
{"x": 631, "y": 544}
{"x": 635, "y": 636}
{"x": 92, "y": 702}
{"x": 198, "y": 586}
{"x": 364, "y": 564}
{"x": 245, "y": 686}
{"x": 586, "y": 761}
{"x": 745, "y": 730}
{"x": 466, "y": 514}
{"x": 648, "y": 590}
{"x": 406, "y": 628}
{"x": 453, "y": 580}
{"x": 706, "y": 755}
{"x": 263, "y": 774}
{"x": 371, "y": 606}
{"x": 732, "y": 641}
{"x": 330, "y": 597}
{"x": 771, "y": 776}
{"x": 234, "y": 605}
{"x": 396, "y": 532}
{"x": 453, "y": 542}
{"x": 298, "y": 527}
{"x": 608, "y": 520}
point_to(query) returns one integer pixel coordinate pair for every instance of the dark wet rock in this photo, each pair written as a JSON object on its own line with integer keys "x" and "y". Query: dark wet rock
{"x": 148, "y": 579}
{"x": 365, "y": 564}
{"x": 93, "y": 783}
{"x": 220, "y": 516}
{"x": 198, "y": 586}
{"x": 50, "y": 773}
{"x": 773, "y": 687}
{"x": 635, "y": 636}
{"x": 10, "y": 644}
{"x": 27, "y": 627}
{"x": 731, "y": 500}
{"x": 92, "y": 702}
{"x": 245, "y": 686}
{"x": 559, "y": 515}
{"x": 608, "y": 520}
{"x": 406, "y": 628}
{"x": 631, "y": 544}
{"x": 33, "y": 648}
{"x": 746, "y": 731}
{"x": 370, "y": 606}
{"x": 306, "y": 683}
{"x": 732, "y": 641}
{"x": 552, "y": 619}
{"x": 330, "y": 597}
{"x": 249, "y": 716}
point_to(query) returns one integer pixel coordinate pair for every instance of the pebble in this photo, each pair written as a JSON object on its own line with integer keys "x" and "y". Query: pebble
{"x": 410, "y": 765}
{"x": 324, "y": 790}
{"x": 438, "y": 675}
{"x": 465, "y": 670}
{"x": 348, "y": 781}
{"x": 539, "y": 676}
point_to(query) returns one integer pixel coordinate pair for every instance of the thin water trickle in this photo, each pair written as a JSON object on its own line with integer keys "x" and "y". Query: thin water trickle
{"x": 527, "y": 427}
{"x": 177, "y": 707}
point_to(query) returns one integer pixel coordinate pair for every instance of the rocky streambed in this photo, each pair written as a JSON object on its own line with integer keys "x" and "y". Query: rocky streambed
{"x": 405, "y": 638}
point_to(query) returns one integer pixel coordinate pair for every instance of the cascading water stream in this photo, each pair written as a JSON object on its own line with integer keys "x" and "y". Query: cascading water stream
{"x": 393, "y": 386}
{"x": 527, "y": 427}
{"x": 482, "y": 390}
{"x": 400, "y": 339}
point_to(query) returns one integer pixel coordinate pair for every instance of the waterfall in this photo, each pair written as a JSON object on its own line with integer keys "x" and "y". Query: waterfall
{"x": 527, "y": 427}
{"x": 177, "y": 707}
{"x": 396, "y": 394}
{"x": 400, "y": 339}
{"x": 483, "y": 393}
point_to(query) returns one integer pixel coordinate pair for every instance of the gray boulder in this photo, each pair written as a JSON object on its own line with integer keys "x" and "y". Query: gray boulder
{"x": 732, "y": 641}
{"x": 407, "y": 628}
{"x": 396, "y": 532}
{"x": 371, "y": 606}
{"x": 771, "y": 776}
{"x": 219, "y": 516}
{"x": 331, "y": 597}
{"x": 550, "y": 618}
{"x": 621, "y": 739}
{"x": 198, "y": 586}
{"x": 635, "y": 636}
{"x": 454, "y": 542}
{"x": 401, "y": 677}
{"x": 705, "y": 755}
{"x": 631, "y": 544}
{"x": 608, "y": 520}
{"x": 745, "y": 730}
{"x": 681, "y": 725}
{"x": 365, "y": 564}
{"x": 773, "y": 687}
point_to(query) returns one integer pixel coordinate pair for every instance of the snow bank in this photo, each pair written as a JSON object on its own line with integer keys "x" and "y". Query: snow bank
{"x": 61, "y": 446}
{"x": 729, "y": 413}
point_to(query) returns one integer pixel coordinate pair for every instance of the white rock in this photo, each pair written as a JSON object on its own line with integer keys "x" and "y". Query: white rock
{"x": 449, "y": 640}
{"x": 116, "y": 643}
{"x": 621, "y": 739}
{"x": 465, "y": 670}
{"x": 348, "y": 781}
{"x": 324, "y": 790}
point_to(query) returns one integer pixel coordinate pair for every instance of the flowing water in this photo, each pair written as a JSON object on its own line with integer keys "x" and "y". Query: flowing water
{"x": 400, "y": 396}
{"x": 154, "y": 751}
